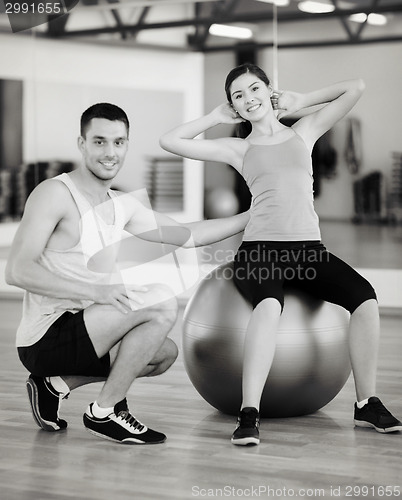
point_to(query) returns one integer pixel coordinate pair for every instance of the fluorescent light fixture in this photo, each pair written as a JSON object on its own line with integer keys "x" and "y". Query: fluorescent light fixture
{"x": 358, "y": 18}
{"x": 373, "y": 19}
{"x": 278, "y": 3}
{"x": 230, "y": 31}
{"x": 315, "y": 7}
{"x": 376, "y": 19}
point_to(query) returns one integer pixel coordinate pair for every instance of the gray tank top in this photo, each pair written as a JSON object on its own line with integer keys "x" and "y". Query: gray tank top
{"x": 39, "y": 312}
{"x": 280, "y": 179}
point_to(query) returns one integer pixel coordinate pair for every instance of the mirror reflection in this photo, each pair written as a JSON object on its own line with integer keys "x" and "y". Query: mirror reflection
{"x": 357, "y": 165}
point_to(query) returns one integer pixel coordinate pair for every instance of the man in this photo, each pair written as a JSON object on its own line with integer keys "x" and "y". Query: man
{"x": 75, "y": 314}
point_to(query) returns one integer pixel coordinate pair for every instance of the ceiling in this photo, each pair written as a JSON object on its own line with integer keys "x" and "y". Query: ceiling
{"x": 184, "y": 24}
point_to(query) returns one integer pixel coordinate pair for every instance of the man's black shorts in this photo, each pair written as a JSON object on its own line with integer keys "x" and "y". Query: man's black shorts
{"x": 65, "y": 349}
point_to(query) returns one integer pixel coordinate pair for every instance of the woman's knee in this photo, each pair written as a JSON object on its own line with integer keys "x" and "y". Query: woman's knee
{"x": 269, "y": 305}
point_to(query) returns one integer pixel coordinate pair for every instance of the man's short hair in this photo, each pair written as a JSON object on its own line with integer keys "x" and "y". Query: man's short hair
{"x": 103, "y": 110}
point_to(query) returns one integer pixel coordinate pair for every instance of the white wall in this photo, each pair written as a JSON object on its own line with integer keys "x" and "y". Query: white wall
{"x": 62, "y": 78}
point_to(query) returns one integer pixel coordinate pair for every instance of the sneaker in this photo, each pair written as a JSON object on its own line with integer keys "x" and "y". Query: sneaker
{"x": 45, "y": 404}
{"x": 247, "y": 429}
{"x": 375, "y": 415}
{"x": 121, "y": 426}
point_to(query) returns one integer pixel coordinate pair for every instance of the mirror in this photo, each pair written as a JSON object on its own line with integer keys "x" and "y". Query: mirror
{"x": 57, "y": 82}
{"x": 358, "y": 191}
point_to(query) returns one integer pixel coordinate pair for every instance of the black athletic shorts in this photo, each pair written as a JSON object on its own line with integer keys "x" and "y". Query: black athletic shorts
{"x": 263, "y": 268}
{"x": 65, "y": 349}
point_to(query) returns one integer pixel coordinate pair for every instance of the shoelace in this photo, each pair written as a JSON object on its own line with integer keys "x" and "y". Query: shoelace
{"x": 131, "y": 420}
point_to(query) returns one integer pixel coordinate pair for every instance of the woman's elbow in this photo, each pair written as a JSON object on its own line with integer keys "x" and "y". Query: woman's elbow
{"x": 10, "y": 275}
{"x": 165, "y": 143}
{"x": 359, "y": 85}
{"x": 14, "y": 275}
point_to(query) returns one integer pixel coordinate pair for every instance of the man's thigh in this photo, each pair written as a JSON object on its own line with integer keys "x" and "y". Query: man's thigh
{"x": 106, "y": 325}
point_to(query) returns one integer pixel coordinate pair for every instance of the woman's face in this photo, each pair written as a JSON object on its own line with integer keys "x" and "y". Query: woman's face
{"x": 250, "y": 97}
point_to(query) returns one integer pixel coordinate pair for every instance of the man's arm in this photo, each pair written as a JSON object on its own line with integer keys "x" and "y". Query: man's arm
{"x": 154, "y": 226}
{"x": 44, "y": 210}
{"x": 210, "y": 231}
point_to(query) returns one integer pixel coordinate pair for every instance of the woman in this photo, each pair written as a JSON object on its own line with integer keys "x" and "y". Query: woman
{"x": 282, "y": 240}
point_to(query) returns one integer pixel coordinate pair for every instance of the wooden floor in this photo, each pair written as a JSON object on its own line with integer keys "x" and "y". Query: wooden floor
{"x": 319, "y": 455}
{"x": 364, "y": 245}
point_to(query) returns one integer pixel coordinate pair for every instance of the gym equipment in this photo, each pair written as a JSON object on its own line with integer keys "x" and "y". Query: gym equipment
{"x": 311, "y": 362}
{"x": 220, "y": 203}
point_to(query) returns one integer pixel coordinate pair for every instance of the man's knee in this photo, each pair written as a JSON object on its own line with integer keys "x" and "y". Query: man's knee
{"x": 165, "y": 307}
{"x": 166, "y": 314}
{"x": 171, "y": 354}
{"x": 172, "y": 351}
{"x": 163, "y": 360}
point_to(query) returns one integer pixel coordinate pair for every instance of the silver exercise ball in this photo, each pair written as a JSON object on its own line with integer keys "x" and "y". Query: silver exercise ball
{"x": 220, "y": 203}
{"x": 311, "y": 362}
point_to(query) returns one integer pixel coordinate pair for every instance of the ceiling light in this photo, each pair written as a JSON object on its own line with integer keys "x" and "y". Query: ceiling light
{"x": 278, "y": 3}
{"x": 314, "y": 7}
{"x": 361, "y": 17}
{"x": 377, "y": 19}
{"x": 373, "y": 19}
{"x": 230, "y": 31}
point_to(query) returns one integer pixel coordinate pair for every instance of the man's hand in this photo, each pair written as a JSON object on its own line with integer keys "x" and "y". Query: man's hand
{"x": 120, "y": 296}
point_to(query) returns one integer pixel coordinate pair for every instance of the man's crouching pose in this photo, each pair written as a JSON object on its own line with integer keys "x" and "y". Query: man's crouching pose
{"x": 74, "y": 315}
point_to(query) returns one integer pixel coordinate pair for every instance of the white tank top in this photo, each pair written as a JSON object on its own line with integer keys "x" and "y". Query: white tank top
{"x": 39, "y": 311}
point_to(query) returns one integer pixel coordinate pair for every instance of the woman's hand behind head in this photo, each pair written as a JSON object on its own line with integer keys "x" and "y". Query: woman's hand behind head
{"x": 225, "y": 113}
{"x": 286, "y": 102}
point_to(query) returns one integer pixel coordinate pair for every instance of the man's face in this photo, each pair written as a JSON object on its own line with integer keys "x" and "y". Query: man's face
{"x": 104, "y": 147}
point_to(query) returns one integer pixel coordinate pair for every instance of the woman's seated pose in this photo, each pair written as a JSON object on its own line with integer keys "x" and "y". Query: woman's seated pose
{"x": 275, "y": 161}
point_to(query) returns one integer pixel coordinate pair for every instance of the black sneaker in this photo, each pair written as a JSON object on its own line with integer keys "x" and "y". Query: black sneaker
{"x": 375, "y": 415}
{"x": 121, "y": 426}
{"x": 45, "y": 404}
{"x": 247, "y": 430}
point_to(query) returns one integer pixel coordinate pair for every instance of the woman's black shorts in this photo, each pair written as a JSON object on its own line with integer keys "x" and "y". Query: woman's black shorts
{"x": 262, "y": 268}
{"x": 65, "y": 349}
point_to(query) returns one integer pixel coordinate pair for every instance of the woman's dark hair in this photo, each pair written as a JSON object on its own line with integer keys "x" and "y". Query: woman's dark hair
{"x": 103, "y": 110}
{"x": 244, "y": 128}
